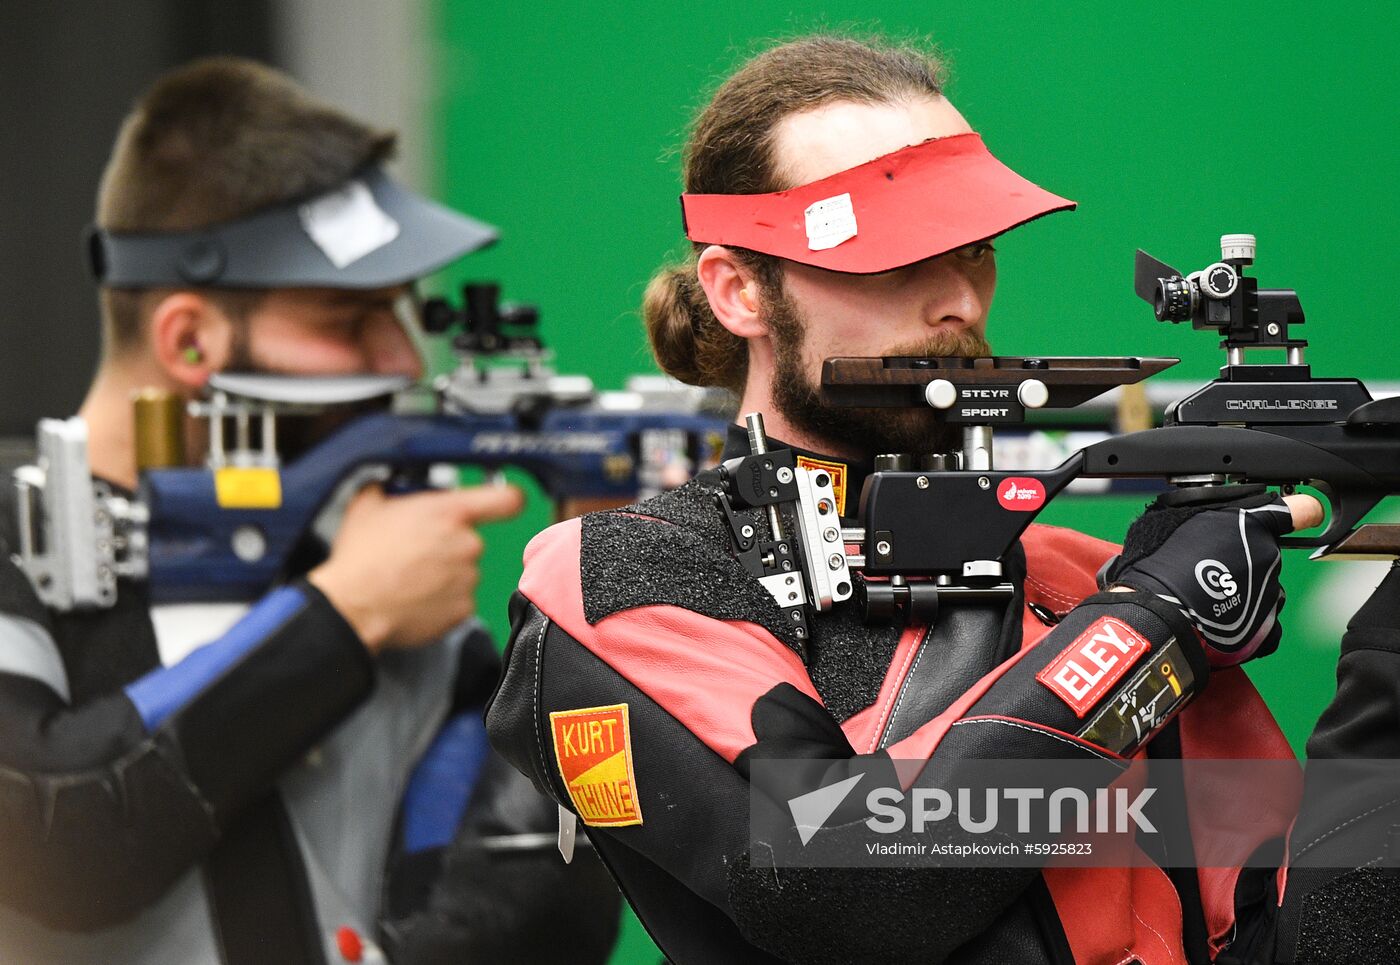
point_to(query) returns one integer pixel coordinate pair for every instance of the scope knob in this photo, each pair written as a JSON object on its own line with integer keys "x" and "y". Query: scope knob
{"x": 1237, "y": 248}
{"x": 1033, "y": 393}
{"x": 941, "y": 394}
{"x": 438, "y": 315}
{"x": 1219, "y": 281}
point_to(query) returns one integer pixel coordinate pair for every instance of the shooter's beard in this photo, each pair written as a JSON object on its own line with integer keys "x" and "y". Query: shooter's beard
{"x": 863, "y": 432}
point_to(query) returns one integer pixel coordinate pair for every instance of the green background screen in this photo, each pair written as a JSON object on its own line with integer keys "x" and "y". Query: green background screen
{"x": 1170, "y": 124}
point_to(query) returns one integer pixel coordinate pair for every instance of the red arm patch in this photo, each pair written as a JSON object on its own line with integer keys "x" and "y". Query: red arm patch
{"x": 1093, "y": 663}
{"x": 593, "y": 748}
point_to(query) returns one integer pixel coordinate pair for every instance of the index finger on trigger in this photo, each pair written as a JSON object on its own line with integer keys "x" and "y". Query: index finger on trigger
{"x": 1307, "y": 510}
{"x": 484, "y": 504}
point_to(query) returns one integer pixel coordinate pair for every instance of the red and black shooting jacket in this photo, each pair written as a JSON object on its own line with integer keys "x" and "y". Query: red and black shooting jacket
{"x": 647, "y": 670}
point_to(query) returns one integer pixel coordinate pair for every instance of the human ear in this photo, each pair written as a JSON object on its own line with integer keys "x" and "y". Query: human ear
{"x": 734, "y": 293}
{"x": 190, "y": 337}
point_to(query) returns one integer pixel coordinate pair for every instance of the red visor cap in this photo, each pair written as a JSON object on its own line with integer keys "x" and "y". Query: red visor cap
{"x": 915, "y": 203}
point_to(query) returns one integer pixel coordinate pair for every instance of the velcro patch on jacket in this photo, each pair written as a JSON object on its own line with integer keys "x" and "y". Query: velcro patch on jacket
{"x": 1097, "y": 659}
{"x": 593, "y": 748}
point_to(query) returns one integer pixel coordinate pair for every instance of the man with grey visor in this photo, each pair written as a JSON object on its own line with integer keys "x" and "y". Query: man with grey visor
{"x": 215, "y": 786}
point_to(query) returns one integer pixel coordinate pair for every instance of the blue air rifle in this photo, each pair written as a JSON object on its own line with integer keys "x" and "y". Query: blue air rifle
{"x": 937, "y": 526}
{"x": 227, "y": 530}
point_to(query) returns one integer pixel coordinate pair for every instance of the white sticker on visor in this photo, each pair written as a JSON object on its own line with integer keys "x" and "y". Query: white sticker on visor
{"x": 830, "y": 222}
{"x": 347, "y": 224}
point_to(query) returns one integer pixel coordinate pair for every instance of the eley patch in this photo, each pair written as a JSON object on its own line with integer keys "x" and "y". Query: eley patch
{"x": 837, "y": 471}
{"x": 1098, "y": 658}
{"x": 593, "y": 748}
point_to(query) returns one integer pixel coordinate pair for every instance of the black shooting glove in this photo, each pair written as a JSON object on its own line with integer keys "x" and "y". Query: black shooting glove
{"x": 1213, "y": 553}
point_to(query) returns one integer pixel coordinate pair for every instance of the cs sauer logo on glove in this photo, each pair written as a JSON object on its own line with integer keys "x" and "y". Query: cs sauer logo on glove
{"x": 1218, "y": 582}
{"x": 593, "y": 748}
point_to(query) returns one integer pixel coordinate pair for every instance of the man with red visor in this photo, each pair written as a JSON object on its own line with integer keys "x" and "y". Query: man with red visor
{"x": 839, "y": 205}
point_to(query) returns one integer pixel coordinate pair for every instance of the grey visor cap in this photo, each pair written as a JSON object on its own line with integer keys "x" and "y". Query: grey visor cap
{"x": 275, "y": 249}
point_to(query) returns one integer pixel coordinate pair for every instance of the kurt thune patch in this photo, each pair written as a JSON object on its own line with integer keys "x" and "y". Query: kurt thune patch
{"x": 837, "y": 471}
{"x": 593, "y": 747}
{"x": 1089, "y": 667}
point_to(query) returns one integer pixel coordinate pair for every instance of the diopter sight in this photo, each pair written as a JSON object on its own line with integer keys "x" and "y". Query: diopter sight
{"x": 1221, "y": 297}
